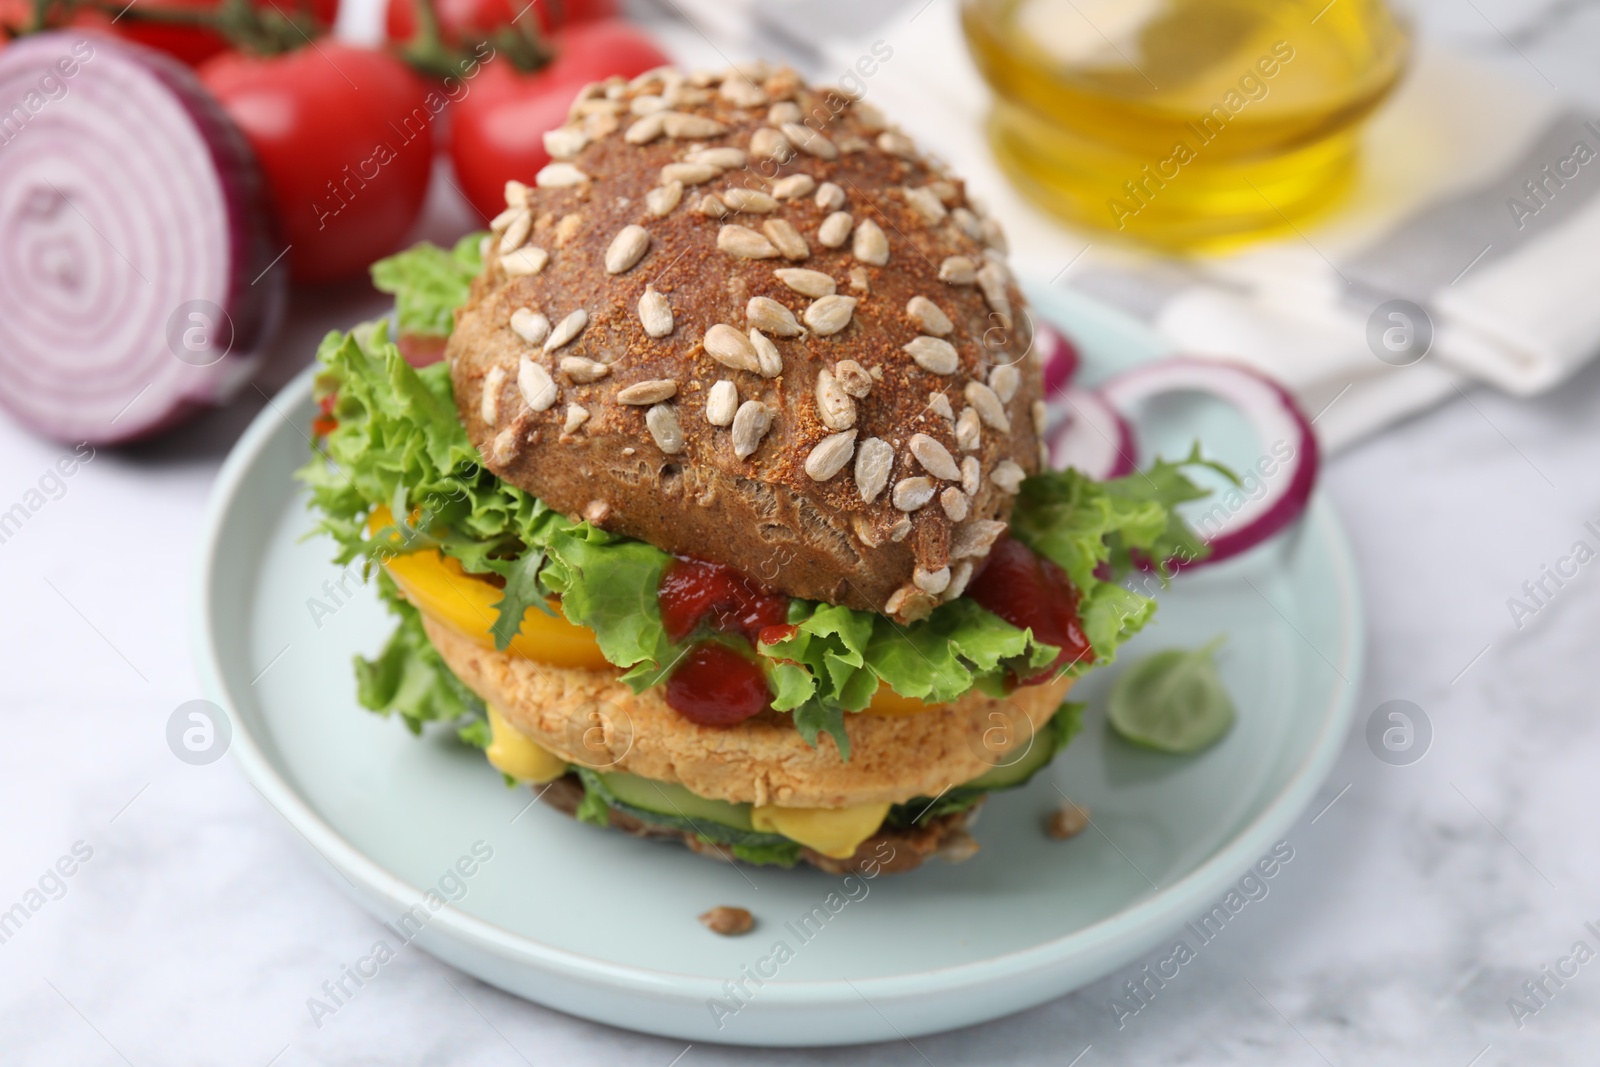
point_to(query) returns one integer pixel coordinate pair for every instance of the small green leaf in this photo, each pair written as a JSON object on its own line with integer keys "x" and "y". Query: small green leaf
{"x": 1173, "y": 701}
{"x": 524, "y": 589}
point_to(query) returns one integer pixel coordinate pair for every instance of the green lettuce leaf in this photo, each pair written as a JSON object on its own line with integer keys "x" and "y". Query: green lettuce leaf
{"x": 429, "y": 283}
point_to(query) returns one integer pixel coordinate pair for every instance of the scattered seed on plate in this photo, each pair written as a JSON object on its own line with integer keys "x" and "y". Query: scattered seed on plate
{"x": 769, "y": 362}
{"x": 830, "y": 455}
{"x": 794, "y": 186}
{"x": 727, "y": 921}
{"x": 560, "y": 176}
{"x": 722, "y": 401}
{"x": 655, "y": 314}
{"x": 745, "y": 243}
{"x": 663, "y": 198}
{"x": 1067, "y": 821}
{"x": 750, "y": 424}
{"x": 812, "y": 283}
{"x": 912, "y": 494}
{"x": 934, "y": 355}
{"x": 489, "y": 401}
{"x": 928, "y": 316}
{"x": 538, "y": 389}
{"x": 958, "y": 270}
{"x": 529, "y": 259}
{"x": 765, "y": 313}
{"x": 829, "y": 197}
{"x": 988, "y": 406}
{"x": 583, "y": 370}
{"x": 626, "y": 249}
{"x": 835, "y": 229}
{"x": 529, "y": 325}
{"x": 830, "y": 314}
{"x": 786, "y": 238}
{"x": 662, "y": 422}
{"x": 731, "y": 348}
{"x": 934, "y": 457}
{"x": 566, "y": 330}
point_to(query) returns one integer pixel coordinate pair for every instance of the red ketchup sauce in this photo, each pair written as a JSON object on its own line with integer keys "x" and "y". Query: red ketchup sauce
{"x": 714, "y": 685}
{"x": 1033, "y": 593}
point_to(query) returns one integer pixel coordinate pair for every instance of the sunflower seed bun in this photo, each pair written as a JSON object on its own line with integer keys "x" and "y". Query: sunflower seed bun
{"x": 745, "y": 320}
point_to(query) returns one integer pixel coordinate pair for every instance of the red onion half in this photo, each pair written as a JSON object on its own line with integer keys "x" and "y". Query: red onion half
{"x": 1276, "y": 487}
{"x": 1094, "y": 438}
{"x": 136, "y": 267}
{"x": 1057, "y": 355}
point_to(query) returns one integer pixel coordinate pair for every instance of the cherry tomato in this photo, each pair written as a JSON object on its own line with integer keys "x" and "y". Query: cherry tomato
{"x": 345, "y": 137}
{"x": 459, "y": 19}
{"x": 497, "y": 128}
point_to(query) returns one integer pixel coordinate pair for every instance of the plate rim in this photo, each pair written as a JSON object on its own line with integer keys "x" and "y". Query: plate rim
{"x": 1162, "y": 910}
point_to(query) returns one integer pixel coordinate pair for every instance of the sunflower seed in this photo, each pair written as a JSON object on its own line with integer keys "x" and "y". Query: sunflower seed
{"x": 1005, "y": 380}
{"x": 499, "y": 223}
{"x": 742, "y": 92}
{"x": 958, "y": 270}
{"x": 529, "y": 259}
{"x": 517, "y": 194}
{"x": 626, "y": 249}
{"x": 767, "y": 314}
{"x": 930, "y": 319}
{"x": 912, "y": 494}
{"x": 971, "y": 475}
{"x": 583, "y": 370}
{"x": 934, "y": 355}
{"x": 988, "y": 406}
{"x": 784, "y": 111}
{"x": 567, "y": 229}
{"x": 960, "y": 575}
{"x": 870, "y": 245}
{"x": 565, "y": 142}
{"x": 931, "y": 582}
{"x": 974, "y": 538}
{"x": 722, "y": 158}
{"x": 745, "y": 243}
{"x": 830, "y": 455}
{"x": 939, "y": 404}
{"x": 567, "y": 329}
{"x": 795, "y": 185}
{"x": 812, "y": 283}
{"x": 646, "y": 129}
{"x": 897, "y": 144}
{"x": 489, "y": 401}
{"x": 853, "y": 377}
{"x": 992, "y": 280}
{"x": 834, "y": 406}
{"x": 721, "y": 403}
{"x": 835, "y": 229}
{"x": 969, "y": 431}
{"x": 655, "y": 314}
{"x": 767, "y": 143}
{"x": 1008, "y": 475}
{"x": 577, "y": 415}
{"x": 874, "y": 461}
{"x": 662, "y": 422}
{"x": 1041, "y": 417}
{"x": 703, "y": 78}
{"x": 934, "y": 457}
{"x": 731, "y": 348}
{"x": 954, "y": 502}
{"x": 504, "y": 447}
{"x": 559, "y": 176}
{"x": 830, "y": 314}
{"x": 781, "y": 233}
{"x": 516, "y": 232}
{"x": 749, "y": 200}
{"x": 968, "y": 223}
{"x": 662, "y": 199}
{"x": 925, "y": 202}
{"x": 829, "y": 197}
{"x": 750, "y": 424}
{"x": 712, "y": 207}
{"x": 868, "y": 115}
{"x": 809, "y": 141}
{"x": 652, "y": 391}
{"x": 900, "y": 529}
{"x": 684, "y": 126}
{"x": 529, "y": 325}
{"x": 689, "y": 173}
{"x": 600, "y": 124}
{"x": 538, "y": 389}
{"x": 769, "y": 362}
{"x": 903, "y": 602}
{"x": 995, "y": 237}
{"x": 666, "y": 75}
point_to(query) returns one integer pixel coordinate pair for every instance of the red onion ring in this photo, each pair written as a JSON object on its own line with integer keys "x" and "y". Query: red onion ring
{"x": 1057, "y": 355}
{"x": 1233, "y": 521}
{"x": 137, "y": 283}
{"x": 1095, "y": 439}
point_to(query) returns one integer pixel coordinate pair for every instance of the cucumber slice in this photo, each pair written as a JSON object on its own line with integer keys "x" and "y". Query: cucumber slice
{"x": 670, "y": 804}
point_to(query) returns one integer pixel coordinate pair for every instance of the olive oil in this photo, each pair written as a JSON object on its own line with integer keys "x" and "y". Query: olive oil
{"x": 1189, "y": 125}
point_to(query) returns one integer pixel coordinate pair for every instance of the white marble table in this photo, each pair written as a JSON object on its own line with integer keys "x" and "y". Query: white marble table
{"x": 1418, "y": 903}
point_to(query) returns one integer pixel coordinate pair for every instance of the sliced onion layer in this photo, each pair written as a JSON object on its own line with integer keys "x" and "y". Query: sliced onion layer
{"x": 1277, "y": 486}
{"x": 135, "y": 243}
{"x": 1093, "y": 437}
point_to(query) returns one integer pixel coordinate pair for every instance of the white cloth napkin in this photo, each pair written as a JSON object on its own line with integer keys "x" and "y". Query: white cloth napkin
{"x": 1429, "y": 222}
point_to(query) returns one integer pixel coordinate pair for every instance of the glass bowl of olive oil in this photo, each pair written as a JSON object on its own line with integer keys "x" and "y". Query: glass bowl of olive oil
{"x": 1188, "y": 125}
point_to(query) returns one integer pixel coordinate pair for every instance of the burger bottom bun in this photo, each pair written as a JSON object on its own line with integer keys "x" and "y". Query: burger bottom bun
{"x": 589, "y": 717}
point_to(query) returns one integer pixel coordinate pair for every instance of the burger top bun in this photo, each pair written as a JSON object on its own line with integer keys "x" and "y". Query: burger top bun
{"x": 747, "y": 321}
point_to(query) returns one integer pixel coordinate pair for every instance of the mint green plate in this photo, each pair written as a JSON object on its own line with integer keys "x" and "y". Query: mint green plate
{"x": 603, "y": 925}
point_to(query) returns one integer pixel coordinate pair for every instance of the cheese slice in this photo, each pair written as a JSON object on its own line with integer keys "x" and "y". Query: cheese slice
{"x": 513, "y": 752}
{"x": 834, "y": 832}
